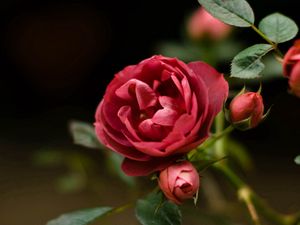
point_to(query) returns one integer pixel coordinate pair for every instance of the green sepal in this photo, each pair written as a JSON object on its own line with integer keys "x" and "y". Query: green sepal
{"x": 246, "y": 123}
{"x": 243, "y": 124}
{"x": 196, "y": 197}
{"x": 243, "y": 91}
{"x": 266, "y": 114}
{"x": 259, "y": 89}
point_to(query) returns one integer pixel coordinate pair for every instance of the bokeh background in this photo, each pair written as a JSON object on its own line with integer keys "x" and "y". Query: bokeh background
{"x": 56, "y": 59}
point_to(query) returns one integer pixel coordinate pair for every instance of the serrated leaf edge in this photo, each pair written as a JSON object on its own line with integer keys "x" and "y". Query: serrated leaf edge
{"x": 258, "y": 59}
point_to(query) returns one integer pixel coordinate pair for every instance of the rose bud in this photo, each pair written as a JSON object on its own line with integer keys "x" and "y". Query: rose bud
{"x": 202, "y": 24}
{"x": 291, "y": 68}
{"x": 156, "y": 111}
{"x": 179, "y": 182}
{"x": 246, "y": 110}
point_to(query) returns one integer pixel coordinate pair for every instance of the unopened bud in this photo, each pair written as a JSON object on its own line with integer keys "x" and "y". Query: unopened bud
{"x": 246, "y": 110}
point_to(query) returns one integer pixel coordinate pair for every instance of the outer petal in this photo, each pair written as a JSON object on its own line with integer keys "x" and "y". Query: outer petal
{"x": 217, "y": 88}
{"x": 126, "y": 151}
{"x": 139, "y": 168}
{"x": 294, "y": 81}
{"x": 289, "y": 60}
{"x": 163, "y": 183}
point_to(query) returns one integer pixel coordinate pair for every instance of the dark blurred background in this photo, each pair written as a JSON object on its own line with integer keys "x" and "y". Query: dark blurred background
{"x": 57, "y": 58}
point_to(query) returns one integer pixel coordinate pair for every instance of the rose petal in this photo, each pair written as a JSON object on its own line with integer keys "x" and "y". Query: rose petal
{"x": 110, "y": 111}
{"x": 156, "y": 85}
{"x": 186, "y": 128}
{"x": 153, "y": 131}
{"x": 117, "y": 136}
{"x": 120, "y": 78}
{"x": 187, "y": 121}
{"x": 187, "y": 94}
{"x": 165, "y": 75}
{"x": 124, "y": 114}
{"x": 217, "y": 88}
{"x": 165, "y": 117}
{"x": 287, "y": 64}
{"x": 182, "y": 195}
{"x": 184, "y": 186}
{"x": 164, "y": 186}
{"x": 295, "y": 57}
{"x": 168, "y": 102}
{"x": 145, "y": 96}
{"x": 126, "y": 151}
{"x": 177, "y": 84}
{"x": 294, "y": 81}
{"x": 139, "y": 168}
{"x": 151, "y": 148}
{"x": 151, "y": 69}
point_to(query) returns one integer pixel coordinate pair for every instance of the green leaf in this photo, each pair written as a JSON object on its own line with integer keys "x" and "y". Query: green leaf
{"x": 84, "y": 134}
{"x": 278, "y": 27}
{"x": 155, "y": 211}
{"x": 272, "y": 71}
{"x": 297, "y": 160}
{"x": 80, "y": 217}
{"x": 247, "y": 64}
{"x": 233, "y": 12}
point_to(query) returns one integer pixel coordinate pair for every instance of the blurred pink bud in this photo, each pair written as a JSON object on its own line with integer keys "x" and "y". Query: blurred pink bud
{"x": 248, "y": 108}
{"x": 179, "y": 181}
{"x": 291, "y": 67}
{"x": 203, "y": 24}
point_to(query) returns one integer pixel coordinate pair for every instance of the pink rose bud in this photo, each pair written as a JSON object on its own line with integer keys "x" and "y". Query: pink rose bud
{"x": 179, "y": 182}
{"x": 156, "y": 111}
{"x": 291, "y": 68}
{"x": 203, "y": 24}
{"x": 246, "y": 110}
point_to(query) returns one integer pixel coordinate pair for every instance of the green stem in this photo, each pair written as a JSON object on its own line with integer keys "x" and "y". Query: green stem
{"x": 219, "y": 125}
{"x": 217, "y": 136}
{"x": 253, "y": 201}
{"x": 211, "y": 141}
{"x": 236, "y": 181}
{"x": 274, "y": 45}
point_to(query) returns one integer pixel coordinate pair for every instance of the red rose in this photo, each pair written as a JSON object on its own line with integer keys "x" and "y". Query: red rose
{"x": 179, "y": 182}
{"x": 291, "y": 68}
{"x": 154, "y": 112}
{"x": 247, "y": 106}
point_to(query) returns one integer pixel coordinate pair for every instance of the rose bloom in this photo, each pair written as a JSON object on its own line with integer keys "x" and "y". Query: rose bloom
{"x": 154, "y": 112}
{"x": 247, "y": 106}
{"x": 179, "y": 182}
{"x": 203, "y": 24}
{"x": 291, "y": 67}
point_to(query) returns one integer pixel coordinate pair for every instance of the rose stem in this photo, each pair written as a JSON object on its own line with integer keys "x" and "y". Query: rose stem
{"x": 253, "y": 202}
{"x": 220, "y": 152}
{"x": 274, "y": 45}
